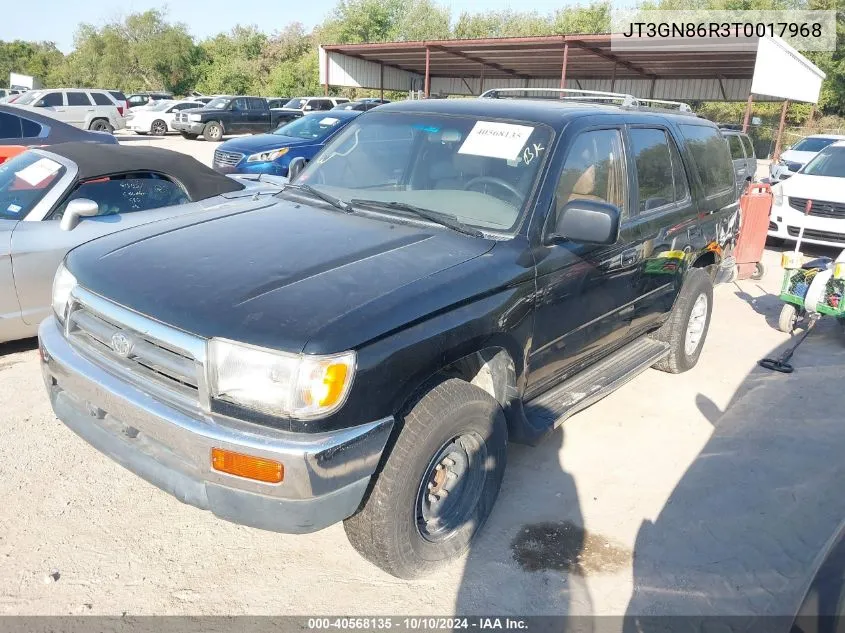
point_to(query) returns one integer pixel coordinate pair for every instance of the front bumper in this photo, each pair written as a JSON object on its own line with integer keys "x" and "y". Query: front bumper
{"x": 243, "y": 167}
{"x": 325, "y": 476}
{"x": 190, "y": 127}
{"x": 785, "y": 223}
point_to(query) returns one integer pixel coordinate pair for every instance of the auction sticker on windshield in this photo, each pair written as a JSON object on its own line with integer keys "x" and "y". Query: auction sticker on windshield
{"x": 38, "y": 172}
{"x": 328, "y": 121}
{"x": 496, "y": 140}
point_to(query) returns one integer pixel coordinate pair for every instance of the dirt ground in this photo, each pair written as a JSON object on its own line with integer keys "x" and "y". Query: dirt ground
{"x": 707, "y": 492}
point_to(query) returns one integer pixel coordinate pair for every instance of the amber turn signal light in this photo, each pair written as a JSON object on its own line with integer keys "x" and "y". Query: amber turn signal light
{"x": 247, "y": 466}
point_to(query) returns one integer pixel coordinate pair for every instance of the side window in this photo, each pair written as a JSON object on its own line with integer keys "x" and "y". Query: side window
{"x": 127, "y": 194}
{"x": 712, "y": 159}
{"x": 100, "y": 99}
{"x": 31, "y": 129}
{"x": 257, "y": 104}
{"x": 735, "y": 146}
{"x": 52, "y": 99}
{"x": 78, "y": 99}
{"x": 240, "y": 104}
{"x": 594, "y": 170}
{"x": 136, "y": 100}
{"x": 660, "y": 174}
{"x": 322, "y": 104}
{"x": 10, "y": 126}
{"x": 749, "y": 147}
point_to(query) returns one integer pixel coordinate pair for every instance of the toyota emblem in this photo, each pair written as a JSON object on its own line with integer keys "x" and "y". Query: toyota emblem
{"x": 122, "y": 344}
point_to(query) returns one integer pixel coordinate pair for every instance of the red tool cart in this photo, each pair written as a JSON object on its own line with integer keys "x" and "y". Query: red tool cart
{"x": 755, "y": 208}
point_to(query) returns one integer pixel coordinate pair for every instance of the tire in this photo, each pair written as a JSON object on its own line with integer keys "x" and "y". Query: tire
{"x": 100, "y": 125}
{"x": 759, "y": 272}
{"x": 213, "y": 132}
{"x": 390, "y": 530}
{"x": 697, "y": 289}
{"x": 189, "y": 136}
{"x": 158, "y": 128}
{"x": 788, "y": 318}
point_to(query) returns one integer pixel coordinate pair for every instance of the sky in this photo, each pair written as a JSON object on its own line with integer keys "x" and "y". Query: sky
{"x": 56, "y": 20}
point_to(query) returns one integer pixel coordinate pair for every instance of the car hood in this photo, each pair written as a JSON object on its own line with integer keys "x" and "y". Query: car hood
{"x": 276, "y": 277}
{"x": 797, "y": 157}
{"x": 815, "y": 187}
{"x": 264, "y": 142}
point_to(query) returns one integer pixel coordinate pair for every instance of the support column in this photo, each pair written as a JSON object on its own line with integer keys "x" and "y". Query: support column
{"x": 481, "y": 82}
{"x": 563, "y": 66}
{"x": 326, "y": 69}
{"x": 381, "y": 81}
{"x": 427, "y": 71}
{"x": 747, "y": 118}
{"x": 613, "y": 78}
{"x": 776, "y": 155}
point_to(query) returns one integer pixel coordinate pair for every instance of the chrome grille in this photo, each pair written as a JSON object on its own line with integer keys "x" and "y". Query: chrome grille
{"x": 821, "y": 208}
{"x": 229, "y": 159}
{"x": 171, "y": 370}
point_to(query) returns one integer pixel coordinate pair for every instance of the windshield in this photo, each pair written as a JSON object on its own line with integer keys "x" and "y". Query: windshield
{"x": 812, "y": 144}
{"x": 828, "y": 162}
{"x": 27, "y": 98}
{"x": 481, "y": 172}
{"x": 218, "y": 103}
{"x": 24, "y": 180}
{"x": 296, "y": 104}
{"x": 312, "y": 127}
{"x": 161, "y": 105}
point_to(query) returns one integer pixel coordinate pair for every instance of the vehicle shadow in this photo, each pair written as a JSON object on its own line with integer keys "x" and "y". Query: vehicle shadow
{"x": 767, "y": 304}
{"x": 14, "y": 347}
{"x": 138, "y": 137}
{"x": 533, "y": 555}
{"x": 741, "y": 533}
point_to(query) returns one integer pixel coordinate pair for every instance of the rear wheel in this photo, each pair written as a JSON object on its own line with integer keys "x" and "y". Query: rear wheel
{"x": 788, "y": 318}
{"x": 438, "y": 484}
{"x": 100, "y": 125}
{"x": 158, "y": 127}
{"x": 213, "y": 132}
{"x": 686, "y": 329}
{"x": 759, "y": 271}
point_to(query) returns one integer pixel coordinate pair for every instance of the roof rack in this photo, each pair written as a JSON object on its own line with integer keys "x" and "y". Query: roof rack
{"x": 625, "y": 100}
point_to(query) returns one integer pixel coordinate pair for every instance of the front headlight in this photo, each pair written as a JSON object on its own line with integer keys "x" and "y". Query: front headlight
{"x": 63, "y": 283}
{"x": 266, "y": 157}
{"x": 285, "y": 385}
{"x": 777, "y": 190}
{"x": 195, "y": 117}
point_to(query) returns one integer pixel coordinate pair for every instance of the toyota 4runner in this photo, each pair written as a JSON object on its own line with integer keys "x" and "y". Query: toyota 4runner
{"x": 445, "y": 276}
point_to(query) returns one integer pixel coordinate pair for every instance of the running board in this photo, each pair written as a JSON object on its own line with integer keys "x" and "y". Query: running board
{"x": 549, "y": 410}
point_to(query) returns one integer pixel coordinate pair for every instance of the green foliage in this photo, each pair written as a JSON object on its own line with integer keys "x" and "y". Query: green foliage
{"x": 30, "y": 58}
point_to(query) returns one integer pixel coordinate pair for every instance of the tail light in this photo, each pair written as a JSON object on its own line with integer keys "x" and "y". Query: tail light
{"x": 120, "y": 109}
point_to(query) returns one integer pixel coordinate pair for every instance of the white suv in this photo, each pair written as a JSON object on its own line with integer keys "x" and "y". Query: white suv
{"x": 87, "y": 109}
{"x": 307, "y": 104}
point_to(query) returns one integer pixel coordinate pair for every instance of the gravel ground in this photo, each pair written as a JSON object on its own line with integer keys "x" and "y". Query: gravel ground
{"x": 707, "y": 492}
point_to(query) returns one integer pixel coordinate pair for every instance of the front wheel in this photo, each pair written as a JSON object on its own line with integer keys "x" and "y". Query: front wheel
{"x": 158, "y": 128}
{"x": 438, "y": 484}
{"x": 213, "y": 132}
{"x": 788, "y": 318}
{"x": 687, "y": 327}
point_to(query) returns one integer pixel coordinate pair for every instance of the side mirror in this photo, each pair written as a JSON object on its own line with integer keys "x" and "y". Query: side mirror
{"x": 38, "y": 104}
{"x": 76, "y": 210}
{"x": 296, "y": 166}
{"x": 588, "y": 221}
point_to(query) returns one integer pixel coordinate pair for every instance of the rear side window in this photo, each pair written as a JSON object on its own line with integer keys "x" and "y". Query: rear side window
{"x": 735, "y": 146}
{"x": 78, "y": 99}
{"x": 749, "y": 148}
{"x": 321, "y": 104}
{"x": 31, "y": 129}
{"x": 127, "y": 194}
{"x": 660, "y": 173}
{"x": 257, "y": 104}
{"x": 594, "y": 170}
{"x": 101, "y": 99}
{"x": 52, "y": 99}
{"x": 117, "y": 94}
{"x": 10, "y": 126}
{"x": 711, "y": 156}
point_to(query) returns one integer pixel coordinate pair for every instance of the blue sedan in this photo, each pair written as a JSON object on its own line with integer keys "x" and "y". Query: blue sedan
{"x": 272, "y": 153}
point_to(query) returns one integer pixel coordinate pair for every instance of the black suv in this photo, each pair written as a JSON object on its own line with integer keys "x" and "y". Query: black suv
{"x": 228, "y": 115}
{"x": 443, "y": 277}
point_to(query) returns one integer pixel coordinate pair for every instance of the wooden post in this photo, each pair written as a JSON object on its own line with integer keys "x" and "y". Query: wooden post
{"x": 747, "y": 119}
{"x": 326, "y": 68}
{"x": 563, "y": 66}
{"x": 427, "y": 71}
{"x": 381, "y": 81}
{"x": 776, "y": 155}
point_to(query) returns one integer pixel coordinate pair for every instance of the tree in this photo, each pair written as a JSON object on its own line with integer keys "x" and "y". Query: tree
{"x": 502, "y": 24}
{"x": 30, "y": 58}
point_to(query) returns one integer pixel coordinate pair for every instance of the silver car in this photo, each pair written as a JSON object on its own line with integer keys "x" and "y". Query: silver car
{"x": 52, "y": 200}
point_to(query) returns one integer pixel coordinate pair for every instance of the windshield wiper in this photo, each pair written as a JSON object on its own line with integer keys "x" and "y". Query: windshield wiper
{"x": 335, "y": 202}
{"x": 444, "y": 219}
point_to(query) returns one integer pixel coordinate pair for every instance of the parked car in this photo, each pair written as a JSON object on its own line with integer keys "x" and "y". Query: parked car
{"x": 821, "y": 181}
{"x": 796, "y": 156}
{"x": 307, "y": 104}
{"x": 137, "y": 99}
{"x": 362, "y": 105}
{"x": 283, "y": 116}
{"x": 158, "y": 118}
{"x": 19, "y": 127}
{"x": 225, "y": 116}
{"x": 272, "y": 153}
{"x": 742, "y": 155}
{"x": 276, "y": 102}
{"x": 87, "y": 109}
{"x": 122, "y": 102}
{"x": 54, "y": 199}
{"x": 445, "y": 276}
{"x": 6, "y": 92}
{"x": 204, "y": 99}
